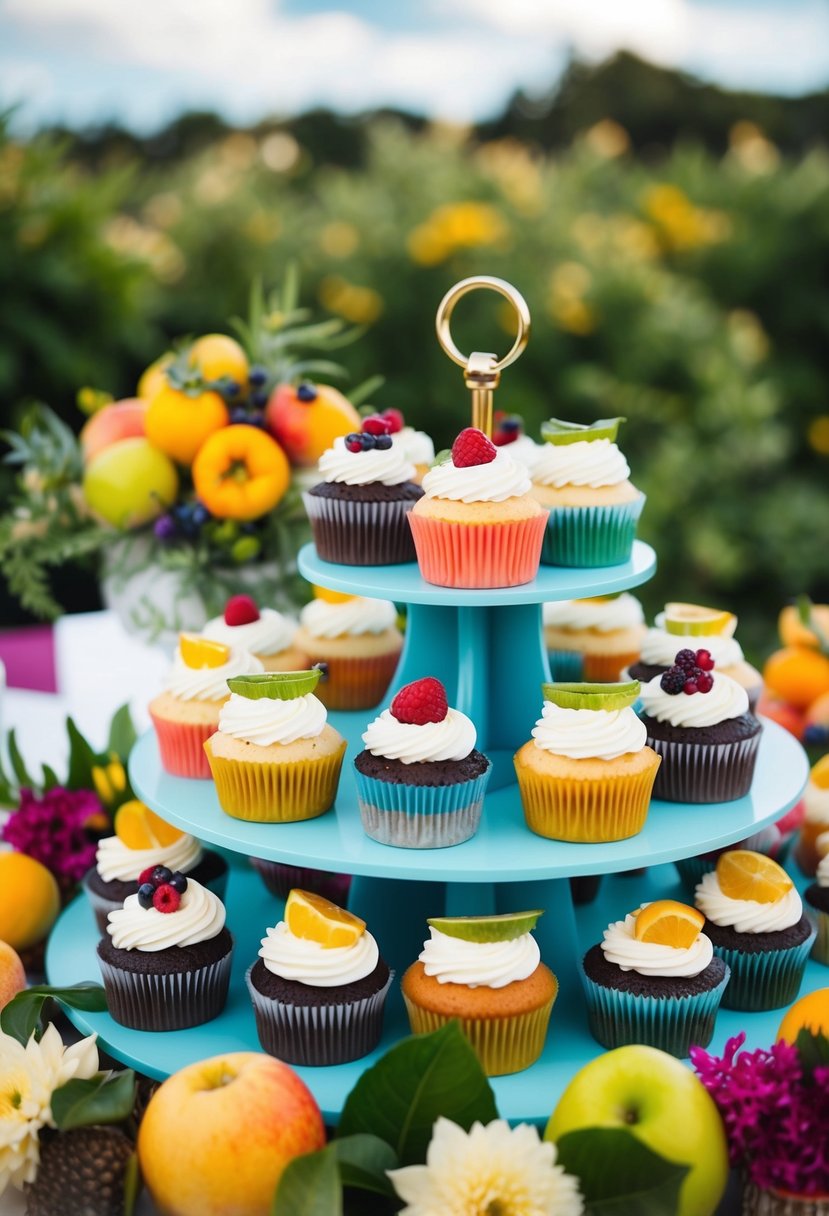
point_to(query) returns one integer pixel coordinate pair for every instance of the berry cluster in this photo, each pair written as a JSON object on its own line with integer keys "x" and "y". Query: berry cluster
{"x": 420, "y": 702}
{"x": 160, "y": 888}
{"x": 690, "y": 673}
{"x": 376, "y": 433}
{"x": 241, "y": 610}
{"x": 508, "y": 427}
{"x": 472, "y": 447}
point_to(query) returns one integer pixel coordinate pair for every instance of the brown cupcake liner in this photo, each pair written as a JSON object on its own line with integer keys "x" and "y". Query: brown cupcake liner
{"x": 264, "y": 792}
{"x": 612, "y": 808}
{"x": 760, "y": 1202}
{"x": 173, "y": 1001}
{"x": 478, "y": 555}
{"x": 359, "y": 683}
{"x": 361, "y": 533}
{"x": 280, "y": 879}
{"x": 181, "y": 746}
{"x": 704, "y": 772}
{"x": 503, "y": 1045}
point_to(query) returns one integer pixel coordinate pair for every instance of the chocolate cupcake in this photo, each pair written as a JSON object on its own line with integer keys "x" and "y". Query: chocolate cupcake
{"x": 359, "y": 510}
{"x": 817, "y": 900}
{"x": 165, "y": 961}
{"x": 280, "y": 879}
{"x": 319, "y": 986}
{"x": 698, "y": 721}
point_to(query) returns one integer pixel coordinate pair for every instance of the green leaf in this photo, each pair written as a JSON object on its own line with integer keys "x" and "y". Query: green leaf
{"x": 81, "y": 759}
{"x": 102, "y": 1099}
{"x": 363, "y": 392}
{"x": 400, "y": 1097}
{"x": 24, "y": 779}
{"x": 813, "y": 1049}
{"x": 22, "y": 1014}
{"x": 363, "y": 1160}
{"x": 619, "y": 1175}
{"x": 122, "y": 733}
{"x": 132, "y": 1185}
{"x": 310, "y": 1186}
{"x": 50, "y": 777}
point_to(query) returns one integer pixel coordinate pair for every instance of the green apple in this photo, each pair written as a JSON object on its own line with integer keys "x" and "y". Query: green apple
{"x": 658, "y": 1099}
{"x": 130, "y": 483}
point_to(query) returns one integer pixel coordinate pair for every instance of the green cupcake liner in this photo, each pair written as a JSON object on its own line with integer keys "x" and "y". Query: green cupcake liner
{"x": 764, "y": 979}
{"x": 673, "y": 1024}
{"x": 591, "y": 536}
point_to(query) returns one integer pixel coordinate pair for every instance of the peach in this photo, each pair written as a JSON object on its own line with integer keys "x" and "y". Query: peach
{"x": 797, "y": 675}
{"x": 29, "y": 900}
{"x": 217, "y": 1135}
{"x": 119, "y": 420}
{"x": 12, "y": 975}
{"x": 306, "y": 420}
{"x": 784, "y": 715}
{"x": 794, "y": 633}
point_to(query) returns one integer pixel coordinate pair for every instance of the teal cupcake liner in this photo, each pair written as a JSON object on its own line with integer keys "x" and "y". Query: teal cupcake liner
{"x": 566, "y": 665}
{"x": 420, "y": 816}
{"x": 764, "y": 979}
{"x": 692, "y": 869}
{"x": 591, "y": 536}
{"x": 673, "y": 1024}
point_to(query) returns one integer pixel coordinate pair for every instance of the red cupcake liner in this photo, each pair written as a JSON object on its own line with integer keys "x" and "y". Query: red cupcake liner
{"x": 357, "y": 683}
{"x": 478, "y": 555}
{"x": 181, "y": 746}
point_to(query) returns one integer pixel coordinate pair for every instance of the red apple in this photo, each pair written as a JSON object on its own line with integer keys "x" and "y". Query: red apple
{"x": 12, "y": 975}
{"x": 118, "y": 420}
{"x": 306, "y": 419}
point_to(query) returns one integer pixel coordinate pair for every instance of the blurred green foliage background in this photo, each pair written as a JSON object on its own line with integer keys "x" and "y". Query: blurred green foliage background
{"x": 672, "y": 243}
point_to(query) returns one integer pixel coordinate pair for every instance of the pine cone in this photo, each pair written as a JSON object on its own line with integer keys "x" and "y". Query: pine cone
{"x": 81, "y": 1173}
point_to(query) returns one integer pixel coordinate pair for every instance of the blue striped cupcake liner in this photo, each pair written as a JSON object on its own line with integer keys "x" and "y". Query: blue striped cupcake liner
{"x": 591, "y": 536}
{"x": 566, "y": 665}
{"x": 420, "y": 816}
{"x": 764, "y": 979}
{"x": 673, "y": 1024}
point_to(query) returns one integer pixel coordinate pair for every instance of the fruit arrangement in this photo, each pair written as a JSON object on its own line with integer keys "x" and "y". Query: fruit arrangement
{"x": 797, "y": 675}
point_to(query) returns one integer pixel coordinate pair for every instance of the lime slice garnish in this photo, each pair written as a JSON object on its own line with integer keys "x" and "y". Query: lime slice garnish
{"x": 275, "y": 685}
{"x": 695, "y": 621}
{"x": 504, "y": 928}
{"x": 592, "y": 696}
{"x": 557, "y": 431}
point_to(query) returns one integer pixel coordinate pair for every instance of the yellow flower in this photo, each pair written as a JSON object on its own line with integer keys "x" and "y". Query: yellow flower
{"x": 680, "y": 224}
{"x": 750, "y": 148}
{"x": 263, "y": 227}
{"x": 818, "y": 434}
{"x": 109, "y": 780}
{"x": 747, "y": 336}
{"x": 568, "y": 284}
{"x": 359, "y": 305}
{"x": 607, "y": 138}
{"x": 456, "y": 226}
{"x": 517, "y": 172}
{"x": 339, "y": 239}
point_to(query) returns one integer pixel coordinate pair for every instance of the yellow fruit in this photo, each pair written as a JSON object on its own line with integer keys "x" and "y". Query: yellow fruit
{"x": 198, "y": 652}
{"x": 746, "y": 875}
{"x": 217, "y": 355}
{"x": 318, "y": 920}
{"x": 29, "y": 900}
{"x": 12, "y": 975}
{"x": 794, "y": 633}
{"x": 668, "y": 923}
{"x": 178, "y": 424}
{"x": 692, "y": 620}
{"x": 811, "y": 1012}
{"x": 154, "y": 378}
{"x": 331, "y": 597}
{"x": 797, "y": 675}
{"x": 138, "y": 827}
{"x": 819, "y": 775}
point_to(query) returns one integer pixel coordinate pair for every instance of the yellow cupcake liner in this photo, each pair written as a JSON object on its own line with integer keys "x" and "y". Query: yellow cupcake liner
{"x": 276, "y": 793}
{"x": 588, "y": 811}
{"x": 502, "y": 1045}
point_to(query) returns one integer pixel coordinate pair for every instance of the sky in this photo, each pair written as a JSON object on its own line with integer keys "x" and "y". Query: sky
{"x": 142, "y": 62}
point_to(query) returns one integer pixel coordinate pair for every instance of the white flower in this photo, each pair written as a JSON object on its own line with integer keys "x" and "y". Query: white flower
{"x": 28, "y": 1077}
{"x": 487, "y": 1171}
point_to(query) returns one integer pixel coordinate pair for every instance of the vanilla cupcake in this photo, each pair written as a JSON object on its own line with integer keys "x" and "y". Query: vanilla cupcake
{"x": 264, "y": 632}
{"x": 817, "y": 899}
{"x": 509, "y": 433}
{"x": 593, "y": 639}
{"x": 583, "y": 479}
{"x": 358, "y": 641}
{"x": 417, "y": 447}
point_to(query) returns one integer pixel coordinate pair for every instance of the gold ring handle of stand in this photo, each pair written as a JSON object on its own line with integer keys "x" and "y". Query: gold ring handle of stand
{"x": 482, "y": 370}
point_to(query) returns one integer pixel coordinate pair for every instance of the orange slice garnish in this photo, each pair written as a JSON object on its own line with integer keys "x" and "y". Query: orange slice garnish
{"x": 318, "y": 920}
{"x": 668, "y": 923}
{"x": 819, "y": 775}
{"x": 746, "y": 875}
{"x": 331, "y": 597}
{"x": 138, "y": 827}
{"x": 199, "y": 652}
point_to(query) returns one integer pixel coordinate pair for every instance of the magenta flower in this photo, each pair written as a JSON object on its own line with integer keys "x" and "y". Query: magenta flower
{"x": 776, "y": 1117}
{"x": 55, "y": 829}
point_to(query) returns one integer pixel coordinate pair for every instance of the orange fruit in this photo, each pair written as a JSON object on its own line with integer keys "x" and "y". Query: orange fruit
{"x": 178, "y": 424}
{"x": 784, "y": 715}
{"x": 306, "y": 428}
{"x": 746, "y": 875}
{"x": 668, "y": 923}
{"x": 29, "y": 900}
{"x": 318, "y": 920}
{"x": 217, "y": 355}
{"x": 819, "y": 775}
{"x": 140, "y": 828}
{"x": 240, "y": 473}
{"x": 797, "y": 675}
{"x": 794, "y": 633}
{"x": 197, "y": 652}
{"x": 331, "y": 597}
{"x": 811, "y": 1012}
{"x": 154, "y": 377}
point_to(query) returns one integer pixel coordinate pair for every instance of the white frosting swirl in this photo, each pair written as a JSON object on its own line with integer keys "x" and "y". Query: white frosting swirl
{"x": 271, "y": 634}
{"x": 417, "y": 447}
{"x": 603, "y": 615}
{"x": 387, "y": 465}
{"x": 118, "y": 863}
{"x": 296, "y": 958}
{"x": 726, "y": 699}
{"x": 816, "y": 803}
{"x": 746, "y": 915}
{"x": 502, "y": 478}
{"x": 348, "y": 618}
{"x": 451, "y": 960}
{"x": 589, "y": 734}
{"x": 266, "y": 721}
{"x": 660, "y": 648}
{"x": 451, "y": 739}
{"x": 524, "y": 450}
{"x": 199, "y": 917}
{"x": 584, "y": 463}
{"x": 619, "y": 946}
{"x": 209, "y": 683}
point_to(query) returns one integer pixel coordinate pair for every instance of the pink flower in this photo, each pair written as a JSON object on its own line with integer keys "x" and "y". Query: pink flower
{"x": 53, "y": 830}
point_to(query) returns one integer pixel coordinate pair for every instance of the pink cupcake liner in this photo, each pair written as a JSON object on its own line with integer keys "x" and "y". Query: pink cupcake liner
{"x": 181, "y": 746}
{"x": 478, "y": 555}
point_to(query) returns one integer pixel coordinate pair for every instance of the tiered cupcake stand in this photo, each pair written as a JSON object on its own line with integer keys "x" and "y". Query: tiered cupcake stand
{"x": 487, "y": 647}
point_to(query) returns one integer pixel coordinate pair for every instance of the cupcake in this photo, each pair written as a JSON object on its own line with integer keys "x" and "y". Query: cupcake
{"x": 754, "y": 917}
{"x": 581, "y": 477}
{"x": 280, "y": 879}
{"x": 817, "y": 899}
{"x": 359, "y": 642}
{"x": 487, "y": 972}
{"x": 698, "y": 721}
{"x": 165, "y": 958}
{"x": 509, "y": 433}
{"x": 654, "y": 979}
{"x": 266, "y": 633}
{"x": 142, "y": 843}
{"x": 416, "y": 446}
{"x": 187, "y": 712}
{"x": 587, "y": 773}
{"x": 769, "y": 840}
{"x": 477, "y": 524}
{"x": 359, "y": 510}
{"x": 420, "y": 779}
{"x": 593, "y": 639}
{"x": 816, "y": 817}
{"x": 694, "y": 626}
{"x": 319, "y": 985}
{"x": 275, "y": 758}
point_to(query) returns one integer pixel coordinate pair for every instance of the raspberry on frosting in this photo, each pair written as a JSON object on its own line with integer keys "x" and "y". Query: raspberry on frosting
{"x": 241, "y": 610}
{"x": 472, "y": 447}
{"x": 421, "y": 702}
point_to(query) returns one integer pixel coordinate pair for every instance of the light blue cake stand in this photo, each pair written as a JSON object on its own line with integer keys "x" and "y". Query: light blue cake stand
{"x": 487, "y": 647}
